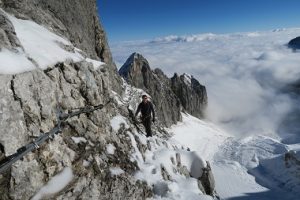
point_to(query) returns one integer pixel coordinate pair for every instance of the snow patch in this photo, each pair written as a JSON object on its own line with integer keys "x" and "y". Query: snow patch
{"x": 116, "y": 171}
{"x": 110, "y": 149}
{"x": 198, "y": 135}
{"x": 13, "y": 62}
{"x": 86, "y": 163}
{"x": 56, "y": 184}
{"x": 96, "y": 63}
{"x": 116, "y": 122}
{"x": 78, "y": 140}
{"x": 162, "y": 159}
{"x": 187, "y": 78}
{"x": 43, "y": 46}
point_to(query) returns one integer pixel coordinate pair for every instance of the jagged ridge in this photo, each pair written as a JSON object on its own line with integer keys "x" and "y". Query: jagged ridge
{"x": 169, "y": 95}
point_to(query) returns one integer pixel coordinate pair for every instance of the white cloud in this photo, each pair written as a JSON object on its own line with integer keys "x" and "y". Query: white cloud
{"x": 243, "y": 73}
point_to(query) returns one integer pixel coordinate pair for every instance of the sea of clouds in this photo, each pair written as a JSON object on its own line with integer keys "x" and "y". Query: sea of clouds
{"x": 245, "y": 75}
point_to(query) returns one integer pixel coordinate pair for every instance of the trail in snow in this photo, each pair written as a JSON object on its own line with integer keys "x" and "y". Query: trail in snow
{"x": 166, "y": 165}
{"x": 238, "y": 164}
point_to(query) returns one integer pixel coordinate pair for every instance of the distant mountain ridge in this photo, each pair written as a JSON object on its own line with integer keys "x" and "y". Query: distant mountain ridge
{"x": 214, "y": 36}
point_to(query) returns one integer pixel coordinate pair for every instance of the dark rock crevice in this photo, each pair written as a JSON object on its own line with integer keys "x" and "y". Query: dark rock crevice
{"x": 12, "y": 87}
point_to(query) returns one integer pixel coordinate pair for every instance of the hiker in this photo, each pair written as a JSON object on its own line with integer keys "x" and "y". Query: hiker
{"x": 146, "y": 107}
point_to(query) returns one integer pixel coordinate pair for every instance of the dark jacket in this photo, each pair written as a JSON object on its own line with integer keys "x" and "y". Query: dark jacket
{"x": 146, "y": 109}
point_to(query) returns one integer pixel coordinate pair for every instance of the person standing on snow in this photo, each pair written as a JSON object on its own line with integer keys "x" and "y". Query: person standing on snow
{"x": 146, "y": 108}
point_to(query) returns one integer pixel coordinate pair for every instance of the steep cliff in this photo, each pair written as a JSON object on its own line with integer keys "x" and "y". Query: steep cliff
{"x": 28, "y": 109}
{"x": 137, "y": 72}
{"x": 191, "y": 93}
{"x": 75, "y": 20}
{"x": 171, "y": 96}
{"x": 54, "y": 65}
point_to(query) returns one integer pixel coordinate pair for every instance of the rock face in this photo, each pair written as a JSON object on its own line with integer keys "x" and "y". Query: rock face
{"x": 294, "y": 43}
{"x": 138, "y": 73}
{"x": 75, "y": 20}
{"x": 28, "y": 107}
{"x": 169, "y": 95}
{"x": 99, "y": 151}
{"x": 191, "y": 93}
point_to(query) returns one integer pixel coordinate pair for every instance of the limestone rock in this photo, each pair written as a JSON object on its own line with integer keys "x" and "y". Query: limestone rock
{"x": 8, "y": 38}
{"x": 168, "y": 95}
{"x": 31, "y": 101}
{"x": 77, "y": 21}
{"x": 191, "y": 93}
{"x": 207, "y": 180}
{"x": 28, "y": 107}
{"x": 137, "y": 72}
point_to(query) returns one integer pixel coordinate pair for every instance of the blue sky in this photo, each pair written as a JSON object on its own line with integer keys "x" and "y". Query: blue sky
{"x": 146, "y": 19}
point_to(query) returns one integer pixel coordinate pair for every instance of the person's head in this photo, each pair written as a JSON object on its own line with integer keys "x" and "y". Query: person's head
{"x": 145, "y": 98}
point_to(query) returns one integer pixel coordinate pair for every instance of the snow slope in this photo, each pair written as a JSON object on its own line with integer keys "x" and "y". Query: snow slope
{"x": 244, "y": 168}
{"x": 253, "y": 121}
{"x": 168, "y": 166}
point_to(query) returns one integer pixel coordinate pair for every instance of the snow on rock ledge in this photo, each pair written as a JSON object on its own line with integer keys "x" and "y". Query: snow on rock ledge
{"x": 174, "y": 173}
{"x": 56, "y": 184}
{"x": 39, "y": 48}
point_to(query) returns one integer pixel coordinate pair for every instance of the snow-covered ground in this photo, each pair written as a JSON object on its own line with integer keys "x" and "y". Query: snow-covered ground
{"x": 252, "y": 120}
{"x": 242, "y": 166}
{"x": 248, "y": 168}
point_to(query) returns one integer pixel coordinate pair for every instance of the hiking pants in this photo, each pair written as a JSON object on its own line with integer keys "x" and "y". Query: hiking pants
{"x": 147, "y": 125}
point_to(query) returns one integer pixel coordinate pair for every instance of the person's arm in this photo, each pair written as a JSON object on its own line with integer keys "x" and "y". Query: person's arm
{"x": 153, "y": 112}
{"x": 138, "y": 110}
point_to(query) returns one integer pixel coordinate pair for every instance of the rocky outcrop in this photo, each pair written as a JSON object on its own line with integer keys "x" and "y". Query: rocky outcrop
{"x": 29, "y": 103}
{"x": 207, "y": 180}
{"x": 170, "y": 96}
{"x": 294, "y": 43}
{"x": 191, "y": 93}
{"x": 75, "y": 20}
